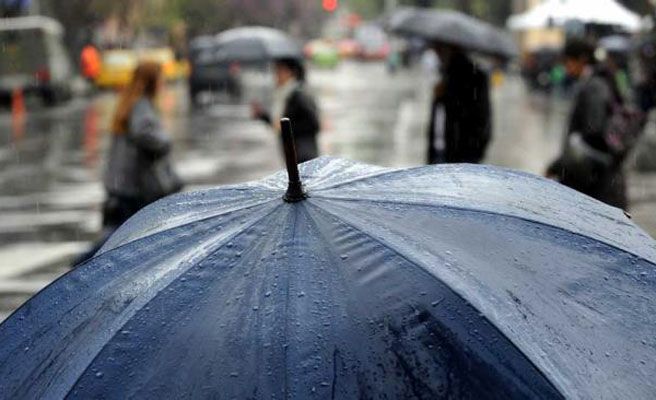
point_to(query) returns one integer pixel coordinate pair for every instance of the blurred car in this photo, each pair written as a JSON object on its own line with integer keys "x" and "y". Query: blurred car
{"x": 172, "y": 68}
{"x": 34, "y": 59}
{"x": 322, "y": 53}
{"x": 207, "y": 74}
{"x": 540, "y": 68}
{"x": 373, "y": 42}
{"x": 117, "y": 68}
{"x": 348, "y": 48}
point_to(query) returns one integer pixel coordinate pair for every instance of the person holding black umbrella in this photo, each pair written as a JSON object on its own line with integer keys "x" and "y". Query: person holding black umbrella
{"x": 460, "y": 126}
{"x": 291, "y": 100}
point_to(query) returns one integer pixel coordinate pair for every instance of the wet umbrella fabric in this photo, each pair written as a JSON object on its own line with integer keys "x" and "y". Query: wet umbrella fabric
{"x": 455, "y": 28}
{"x": 432, "y": 282}
{"x": 253, "y": 44}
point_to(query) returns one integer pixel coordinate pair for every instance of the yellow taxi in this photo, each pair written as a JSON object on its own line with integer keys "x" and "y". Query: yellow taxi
{"x": 173, "y": 69}
{"x": 117, "y": 68}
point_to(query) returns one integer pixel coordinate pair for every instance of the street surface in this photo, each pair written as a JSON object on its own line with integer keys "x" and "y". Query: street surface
{"x": 51, "y": 161}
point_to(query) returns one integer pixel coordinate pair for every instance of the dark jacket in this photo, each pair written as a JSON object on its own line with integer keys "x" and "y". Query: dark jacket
{"x": 468, "y": 125}
{"x": 302, "y": 110}
{"x": 592, "y": 109}
{"x": 139, "y": 166}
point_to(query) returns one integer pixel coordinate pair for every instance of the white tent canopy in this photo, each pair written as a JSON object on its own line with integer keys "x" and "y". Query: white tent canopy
{"x": 556, "y": 13}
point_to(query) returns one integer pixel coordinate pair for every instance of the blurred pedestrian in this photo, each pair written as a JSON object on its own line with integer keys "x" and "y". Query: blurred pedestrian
{"x": 139, "y": 169}
{"x": 599, "y": 129}
{"x": 292, "y": 100}
{"x": 646, "y": 82}
{"x": 461, "y": 123}
{"x": 90, "y": 62}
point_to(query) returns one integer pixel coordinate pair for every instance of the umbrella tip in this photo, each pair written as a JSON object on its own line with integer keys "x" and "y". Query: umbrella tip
{"x": 295, "y": 191}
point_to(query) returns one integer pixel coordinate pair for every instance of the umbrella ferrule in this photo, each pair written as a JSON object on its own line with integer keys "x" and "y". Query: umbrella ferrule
{"x": 295, "y": 192}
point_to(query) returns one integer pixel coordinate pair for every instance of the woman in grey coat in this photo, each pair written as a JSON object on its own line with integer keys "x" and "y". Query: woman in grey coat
{"x": 139, "y": 170}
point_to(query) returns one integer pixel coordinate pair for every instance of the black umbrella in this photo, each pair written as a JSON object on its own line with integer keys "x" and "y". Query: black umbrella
{"x": 255, "y": 43}
{"x": 455, "y": 28}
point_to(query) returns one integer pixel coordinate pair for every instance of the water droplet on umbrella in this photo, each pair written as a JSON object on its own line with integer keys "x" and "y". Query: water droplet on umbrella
{"x": 99, "y": 374}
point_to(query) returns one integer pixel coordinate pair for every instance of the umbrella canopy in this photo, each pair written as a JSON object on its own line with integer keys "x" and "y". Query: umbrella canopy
{"x": 433, "y": 282}
{"x": 552, "y": 13}
{"x": 453, "y": 28}
{"x": 256, "y": 43}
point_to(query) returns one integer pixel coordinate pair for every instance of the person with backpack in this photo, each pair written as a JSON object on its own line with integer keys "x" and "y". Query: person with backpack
{"x": 460, "y": 126}
{"x": 602, "y": 129}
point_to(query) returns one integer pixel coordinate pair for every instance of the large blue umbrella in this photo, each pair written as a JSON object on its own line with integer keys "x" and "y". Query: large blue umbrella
{"x": 433, "y": 282}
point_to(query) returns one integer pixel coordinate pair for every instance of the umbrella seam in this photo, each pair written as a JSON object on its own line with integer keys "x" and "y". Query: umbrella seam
{"x": 556, "y": 387}
{"x": 456, "y": 208}
{"x": 118, "y": 329}
{"x": 204, "y": 219}
{"x": 393, "y": 171}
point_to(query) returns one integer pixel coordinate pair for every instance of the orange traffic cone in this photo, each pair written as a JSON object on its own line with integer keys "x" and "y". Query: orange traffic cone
{"x": 18, "y": 114}
{"x": 17, "y": 102}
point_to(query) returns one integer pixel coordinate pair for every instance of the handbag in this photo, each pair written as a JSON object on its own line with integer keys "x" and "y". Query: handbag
{"x": 580, "y": 161}
{"x": 159, "y": 179}
{"x": 624, "y": 129}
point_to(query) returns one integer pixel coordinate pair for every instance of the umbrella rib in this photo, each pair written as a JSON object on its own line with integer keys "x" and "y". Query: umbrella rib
{"x": 364, "y": 178}
{"x": 456, "y": 208}
{"x": 156, "y": 232}
{"x": 418, "y": 265}
{"x": 184, "y": 270}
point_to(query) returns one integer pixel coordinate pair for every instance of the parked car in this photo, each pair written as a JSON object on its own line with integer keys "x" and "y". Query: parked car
{"x": 117, "y": 68}
{"x": 34, "y": 59}
{"x": 348, "y": 48}
{"x": 322, "y": 53}
{"x": 373, "y": 42}
{"x": 207, "y": 74}
{"x": 540, "y": 69}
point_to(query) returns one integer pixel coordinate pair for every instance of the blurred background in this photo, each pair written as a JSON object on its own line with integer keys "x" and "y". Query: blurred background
{"x": 62, "y": 63}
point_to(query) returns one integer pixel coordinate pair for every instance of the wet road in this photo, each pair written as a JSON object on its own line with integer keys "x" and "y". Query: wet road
{"x": 51, "y": 160}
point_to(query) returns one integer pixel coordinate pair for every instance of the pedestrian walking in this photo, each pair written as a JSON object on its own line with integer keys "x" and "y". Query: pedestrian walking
{"x": 601, "y": 130}
{"x": 139, "y": 170}
{"x": 646, "y": 79}
{"x": 292, "y": 100}
{"x": 460, "y": 125}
